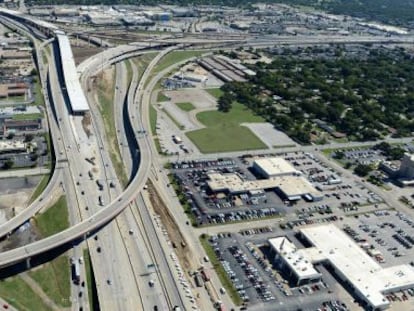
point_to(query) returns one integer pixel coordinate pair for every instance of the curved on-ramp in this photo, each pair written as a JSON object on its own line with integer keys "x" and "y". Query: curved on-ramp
{"x": 104, "y": 215}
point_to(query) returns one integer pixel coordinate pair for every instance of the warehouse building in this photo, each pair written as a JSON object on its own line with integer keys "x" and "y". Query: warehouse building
{"x": 366, "y": 278}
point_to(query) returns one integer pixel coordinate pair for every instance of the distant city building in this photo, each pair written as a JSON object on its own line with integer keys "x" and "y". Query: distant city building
{"x": 405, "y": 175}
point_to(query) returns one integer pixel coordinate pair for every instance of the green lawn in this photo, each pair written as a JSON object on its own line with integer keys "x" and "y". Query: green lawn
{"x": 39, "y": 100}
{"x": 54, "y": 278}
{"x": 175, "y": 57}
{"x": 224, "y": 279}
{"x": 223, "y": 132}
{"x": 15, "y": 291}
{"x": 153, "y": 120}
{"x": 55, "y": 219}
{"x": 40, "y": 187}
{"x": 185, "y": 106}
{"x": 161, "y": 97}
{"x": 27, "y": 116}
{"x": 215, "y": 92}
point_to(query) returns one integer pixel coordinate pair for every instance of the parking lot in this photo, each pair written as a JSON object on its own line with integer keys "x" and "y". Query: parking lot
{"x": 386, "y": 235}
{"x": 262, "y": 286}
{"x": 340, "y": 195}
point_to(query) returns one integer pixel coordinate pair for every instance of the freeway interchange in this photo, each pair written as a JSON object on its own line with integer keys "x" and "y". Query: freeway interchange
{"x": 132, "y": 263}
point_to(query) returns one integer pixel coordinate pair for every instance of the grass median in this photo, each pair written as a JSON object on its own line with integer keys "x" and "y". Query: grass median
{"x": 185, "y": 106}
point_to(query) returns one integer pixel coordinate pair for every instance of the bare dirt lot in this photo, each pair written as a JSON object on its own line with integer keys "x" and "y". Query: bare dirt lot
{"x": 80, "y": 53}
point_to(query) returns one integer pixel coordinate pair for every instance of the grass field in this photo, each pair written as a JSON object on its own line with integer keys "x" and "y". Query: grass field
{"x": 39, "y": 100}
{"x": 40, "y": 187}
{"x": 224, "y": 279}
{"x": 216, "y": 92}
{"x": 161, "y": 97}
{"x": 185, "y": 106}
{"x": 54, "y": 278}
{"x": 55, "y": 219}
{"x": 27, "y": 116}
{"x": 223, "y": 132}
{"x": 15, "y": 291}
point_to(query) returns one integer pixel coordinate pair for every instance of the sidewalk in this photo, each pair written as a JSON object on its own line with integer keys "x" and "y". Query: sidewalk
{"x": 24, "y": 172}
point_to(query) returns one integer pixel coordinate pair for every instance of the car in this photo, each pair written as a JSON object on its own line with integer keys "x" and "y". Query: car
{"x": 108, "y": 281}
{"x": 222, "y": 290}
{"x": 151, "y": 283}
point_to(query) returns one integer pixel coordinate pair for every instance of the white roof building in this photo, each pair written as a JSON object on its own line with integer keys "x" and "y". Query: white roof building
{"x": 297, "y": 260}
{"x": 353, "y": 264}
{"x": 274, "y": 167}
{"x": 77, "y": 98}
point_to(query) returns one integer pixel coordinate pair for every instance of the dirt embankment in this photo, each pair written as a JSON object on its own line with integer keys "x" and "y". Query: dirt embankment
{"x": 177, "y": 239}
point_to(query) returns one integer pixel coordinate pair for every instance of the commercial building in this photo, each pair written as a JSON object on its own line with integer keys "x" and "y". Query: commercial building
{"x": 274, "y": 167}
{"x": 293, "y": 261}
{"x": 360, "y": 272}
{"x": 12, "y": 146}
{"x": 279, "y": 175}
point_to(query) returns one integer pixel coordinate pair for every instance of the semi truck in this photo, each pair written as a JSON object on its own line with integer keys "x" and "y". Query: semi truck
{"x": 75, "y": 272}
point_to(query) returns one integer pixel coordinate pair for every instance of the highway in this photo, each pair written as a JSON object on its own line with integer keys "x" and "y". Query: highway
{"x": 125, "y": 270}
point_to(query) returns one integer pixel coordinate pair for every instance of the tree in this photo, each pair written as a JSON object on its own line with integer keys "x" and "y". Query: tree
{"x": 8, "y": 164}
{"x": 362, "y": 170}
{"x": 224, "y": 102}
{"x": 28, "y": 138}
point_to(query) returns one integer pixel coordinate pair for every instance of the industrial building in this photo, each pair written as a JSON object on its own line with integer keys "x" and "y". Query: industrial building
{"x": 293, "y": 261}
{"x": 349, "y": 262}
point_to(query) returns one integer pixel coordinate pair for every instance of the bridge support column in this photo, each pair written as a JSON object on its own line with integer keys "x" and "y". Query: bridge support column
{"x": 28, "y": 266}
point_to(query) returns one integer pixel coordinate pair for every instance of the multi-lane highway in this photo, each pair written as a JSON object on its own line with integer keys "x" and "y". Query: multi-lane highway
{"x": 131, "y": 261}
